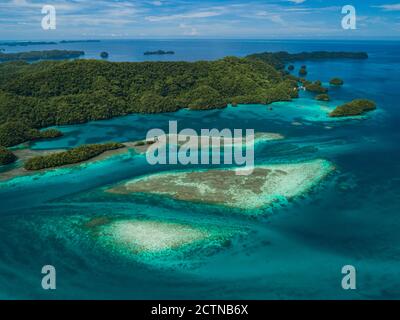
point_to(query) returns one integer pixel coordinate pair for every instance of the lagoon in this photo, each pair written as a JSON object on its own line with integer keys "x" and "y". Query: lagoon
{"x": 349, "y": 217}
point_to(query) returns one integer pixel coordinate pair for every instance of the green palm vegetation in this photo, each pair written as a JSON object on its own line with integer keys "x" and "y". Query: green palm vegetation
{"x": 354, "y": 108}
{"x": 73, "y": 156}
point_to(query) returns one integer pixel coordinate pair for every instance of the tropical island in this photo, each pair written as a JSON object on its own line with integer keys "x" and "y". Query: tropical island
{"x": 51, "y": 93}
{"x": 336, "y": 82}
{"x": 41, "y": 55}
{"x": 279, "y": 59}
{"x": 158, "y": 52}
{"x": 80, "y": 41}
{"x": 72, "y": 156}
{"x": 48, "y": 93}
{"x": 26, "y": 43}
{"x": 354, "y": 108}
{"x": 322, "y": 97}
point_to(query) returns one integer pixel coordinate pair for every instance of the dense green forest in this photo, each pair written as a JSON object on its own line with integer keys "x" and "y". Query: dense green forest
{"x": 75, "y": 155}
{"x": 315, "y": 87}
{"x": 16, "y": 132}
{"x": 70, "y": 92}
{"x": 47, "y": 93}
{"x": 40, "y": 55}
{"x": 6, "y": 156}
{"x": 354, "y": 108}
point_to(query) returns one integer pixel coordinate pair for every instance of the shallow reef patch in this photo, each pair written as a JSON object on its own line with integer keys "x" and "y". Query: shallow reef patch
{"x": 268, "y": 184}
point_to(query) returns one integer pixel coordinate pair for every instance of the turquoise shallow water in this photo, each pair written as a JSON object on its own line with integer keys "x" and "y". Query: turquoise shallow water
{"x": 294, "y": 251}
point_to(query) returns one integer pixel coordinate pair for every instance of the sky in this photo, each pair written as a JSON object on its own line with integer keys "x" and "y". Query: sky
{"x": 149, "y": 19}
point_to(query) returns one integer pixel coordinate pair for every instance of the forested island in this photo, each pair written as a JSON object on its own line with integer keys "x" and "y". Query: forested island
{"x": 322, "y": 97}
{"x": 158, "y": 52}
{"x": 40, "y": 55}
{"x": 80, "y": 41}
{"x": 26, "y": 43}
{"x": 47, "y": 93}
{"x": 69, "y": 92}
{"x": 279, "y": 59}
{"x": 354, "y": 108}
{"x": 336, "y": 82}
{"x": 72, "y": 156}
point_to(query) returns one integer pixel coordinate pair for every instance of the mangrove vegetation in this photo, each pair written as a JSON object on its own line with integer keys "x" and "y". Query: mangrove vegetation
{"x": 72, "y": 156}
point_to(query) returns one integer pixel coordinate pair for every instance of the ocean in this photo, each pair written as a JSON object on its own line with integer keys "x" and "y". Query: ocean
{"x": 294, "y": 251}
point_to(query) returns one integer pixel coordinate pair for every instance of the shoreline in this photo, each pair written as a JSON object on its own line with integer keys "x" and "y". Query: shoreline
{"x": 25, "y": 153}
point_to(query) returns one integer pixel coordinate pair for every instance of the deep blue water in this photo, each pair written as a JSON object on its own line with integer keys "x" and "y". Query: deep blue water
{"x": 296, "y": 251}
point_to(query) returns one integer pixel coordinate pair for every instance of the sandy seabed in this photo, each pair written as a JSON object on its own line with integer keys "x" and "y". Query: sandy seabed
{"x": 267, "y": 184}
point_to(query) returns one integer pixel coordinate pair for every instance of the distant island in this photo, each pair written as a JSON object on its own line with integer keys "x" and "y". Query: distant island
{"x": 158, "y": 52}
{"x": 336, "y": 82}
{"x": 79, "y": 41}
{"x": 26, "y": 43}
{"x": 41, "y": 55}
{"x": 279, "y": 59}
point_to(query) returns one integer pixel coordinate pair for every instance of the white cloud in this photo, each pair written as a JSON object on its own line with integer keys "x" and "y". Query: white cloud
{"x": 297, "y": 1}
{"x": 270, "y": 16}
{"x": 190, "y": 15}
{"x": 390, "y": 7}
